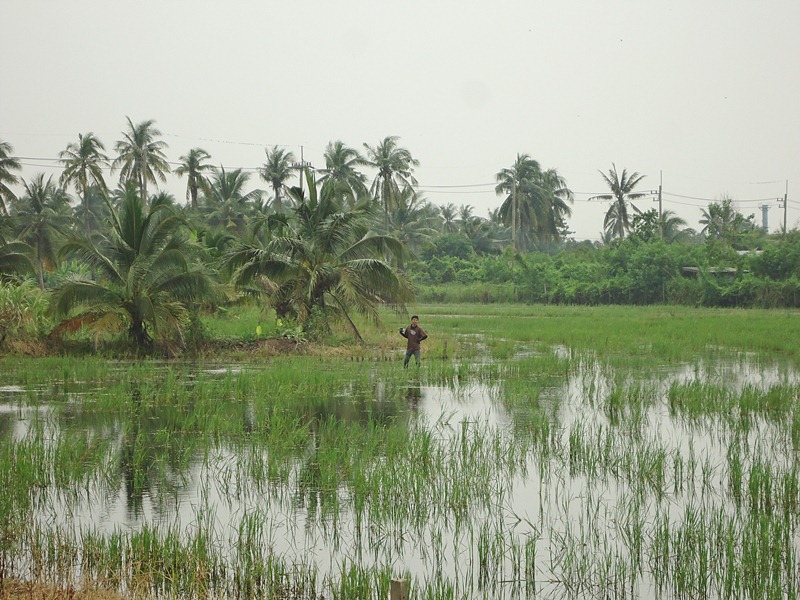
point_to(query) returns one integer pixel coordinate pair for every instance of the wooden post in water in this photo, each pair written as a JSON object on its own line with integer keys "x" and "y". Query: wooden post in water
{"x": 399, "y": 590}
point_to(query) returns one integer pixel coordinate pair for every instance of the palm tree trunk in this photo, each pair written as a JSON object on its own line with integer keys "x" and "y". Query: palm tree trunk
{"x": 40, "y": 262}
{"x": 349, "y": 320}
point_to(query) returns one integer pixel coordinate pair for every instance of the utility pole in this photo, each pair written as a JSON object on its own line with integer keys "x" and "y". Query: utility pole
{"x": 785, "y": 205}
{"x": 660, "y": 217}
{"x": 302, "y": 165}
{"x": 302, "y": 170}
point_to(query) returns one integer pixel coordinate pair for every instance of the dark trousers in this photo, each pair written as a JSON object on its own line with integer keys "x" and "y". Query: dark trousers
{"x": 408, "y": 357}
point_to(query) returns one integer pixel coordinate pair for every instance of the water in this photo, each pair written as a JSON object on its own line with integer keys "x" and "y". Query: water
{"x": 547, "y": 515}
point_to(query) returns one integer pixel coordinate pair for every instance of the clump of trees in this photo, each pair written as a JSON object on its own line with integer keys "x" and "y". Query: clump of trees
{"x": 322, "y": 246}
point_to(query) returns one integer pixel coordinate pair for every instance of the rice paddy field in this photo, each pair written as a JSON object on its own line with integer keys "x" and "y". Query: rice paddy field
{"x": 538, "y": 452}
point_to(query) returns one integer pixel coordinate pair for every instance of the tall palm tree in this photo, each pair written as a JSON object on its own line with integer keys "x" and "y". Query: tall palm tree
{"x": 141, "y": 156}
{"x": 42, "y": 215}
{"x": 413, "y": 222}
{"x": 326, "y": 263}
{"x": 93, "y": 210}
{"x": 225, "y": 200}
{"x": 340, "y": 175}
{"x": 83, "y": 166}
{"x": 541, "y": 201}
{"x": 721, "y": 221}
{"x": 15, "y": 259}
{"x": 194, "y": 168}
{"x": 276, "y": 171}
{"x": 8, "y": 164}
{"x": 617, "y": 219}
{"x": 448, "y": 212}
{"x": 554, "y": 190}
{"x": 648, "y": 225}
{"x": 395, "y": 171}
{"x": 145, "y": 280}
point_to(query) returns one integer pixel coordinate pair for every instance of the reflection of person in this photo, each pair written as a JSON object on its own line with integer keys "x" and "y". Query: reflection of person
{"x": 413, "y": 396}
{"x": 414, "y": 334}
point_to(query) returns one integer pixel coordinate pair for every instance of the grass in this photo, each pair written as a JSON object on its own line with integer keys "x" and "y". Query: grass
{"x": 555, "y": 451}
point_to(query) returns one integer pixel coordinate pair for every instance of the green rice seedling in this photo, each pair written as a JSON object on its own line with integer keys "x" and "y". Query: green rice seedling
{"x": 735, "y": 472}
{"x": 760, "y": 487}
{"x": 769, "y": 558}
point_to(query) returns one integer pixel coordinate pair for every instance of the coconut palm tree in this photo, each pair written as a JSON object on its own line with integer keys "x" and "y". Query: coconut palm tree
{"x": 42, "y": 216}
{"x": 541, "y": 201}
{"x": 84, "y": 162}
{"x": 141, "y": 156}
{"x": 225, "y": 201}
{"x": 617, "y": 219}
{"x": 145, "y": 280}
{"x": 326, "y": 262}
{"x": 8, "y": 164}
{"x": 448, "y": 212}
{"x": 340, "y": 175}
{"x": 414, "y": 222}
{"x": 395, "y": 171}
{"x": 194, "y": 168}
{"x": 276, "y": 171}
{"x": 93, "y": 210}
{"x": 721, "y": 221}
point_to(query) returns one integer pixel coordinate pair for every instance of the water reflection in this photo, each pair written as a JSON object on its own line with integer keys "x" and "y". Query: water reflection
{"x": 583, "y": 448}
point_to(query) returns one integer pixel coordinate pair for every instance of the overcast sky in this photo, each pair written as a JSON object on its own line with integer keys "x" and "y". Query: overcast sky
{"x": 705, "y": 92}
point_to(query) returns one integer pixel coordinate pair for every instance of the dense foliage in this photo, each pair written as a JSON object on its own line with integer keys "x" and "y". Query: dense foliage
{"x": 351, "y": 236}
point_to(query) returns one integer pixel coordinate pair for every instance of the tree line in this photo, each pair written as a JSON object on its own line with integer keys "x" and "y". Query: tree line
{"x": 131, "y": 258}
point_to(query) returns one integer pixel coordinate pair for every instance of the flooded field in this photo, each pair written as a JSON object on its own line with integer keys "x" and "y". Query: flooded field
{"x": 514, "y": 470}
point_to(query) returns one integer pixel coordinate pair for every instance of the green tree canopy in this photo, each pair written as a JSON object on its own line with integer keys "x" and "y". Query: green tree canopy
{"x": 145, "y": 279}
{"x": 141, "y": 156}
{"x": 84, "y": 162}
{"x": 323, "y": 261}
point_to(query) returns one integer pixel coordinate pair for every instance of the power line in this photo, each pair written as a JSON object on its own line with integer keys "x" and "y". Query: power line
{"x": 466, "y": 185}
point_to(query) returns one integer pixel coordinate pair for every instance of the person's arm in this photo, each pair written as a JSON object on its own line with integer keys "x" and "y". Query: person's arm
{"x": 422, "y": 334}
{"x": 403, "y": 332}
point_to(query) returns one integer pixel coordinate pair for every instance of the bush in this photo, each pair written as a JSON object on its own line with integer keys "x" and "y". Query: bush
{"x": 22, "y": 311}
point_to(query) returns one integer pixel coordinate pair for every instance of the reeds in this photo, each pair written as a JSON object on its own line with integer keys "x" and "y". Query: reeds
{"x": 542, "y": 461}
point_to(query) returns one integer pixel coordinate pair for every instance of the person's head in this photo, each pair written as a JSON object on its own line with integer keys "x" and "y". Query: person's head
{"x": 414, "y": 320}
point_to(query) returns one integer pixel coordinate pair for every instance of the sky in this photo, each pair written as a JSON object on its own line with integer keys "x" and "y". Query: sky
{"x": 701, "y": 96}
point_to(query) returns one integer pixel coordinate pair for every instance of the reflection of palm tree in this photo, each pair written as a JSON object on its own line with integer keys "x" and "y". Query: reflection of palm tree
{"x": 340, "y": 176}
{"x": 7, "y": 164}
{"x": 42, "y": 214}
{"x": 326, "y": 262}
{"x": 395, "y": 167}
{"x": 194, "y": 168}
{"x": 134, "y": 475}
{"x": 141, "y": 156}
{"x": 276, "y": 171}
{"x": 145, "y": 279}
{"x": 617, "y": 219}
{"x": 83, "y": 166}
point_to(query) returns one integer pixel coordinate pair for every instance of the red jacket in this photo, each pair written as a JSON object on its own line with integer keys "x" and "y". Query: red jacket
{"x": 414, "y": 334}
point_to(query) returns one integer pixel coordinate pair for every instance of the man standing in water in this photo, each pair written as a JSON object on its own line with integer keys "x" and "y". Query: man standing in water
{"x": 414, "y": 334}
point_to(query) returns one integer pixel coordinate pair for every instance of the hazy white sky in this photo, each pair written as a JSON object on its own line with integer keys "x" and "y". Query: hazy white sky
{"x": 704, "y": 91}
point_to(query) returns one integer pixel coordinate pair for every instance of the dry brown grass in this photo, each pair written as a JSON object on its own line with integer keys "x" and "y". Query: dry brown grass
{"x": 18, "y": 590}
